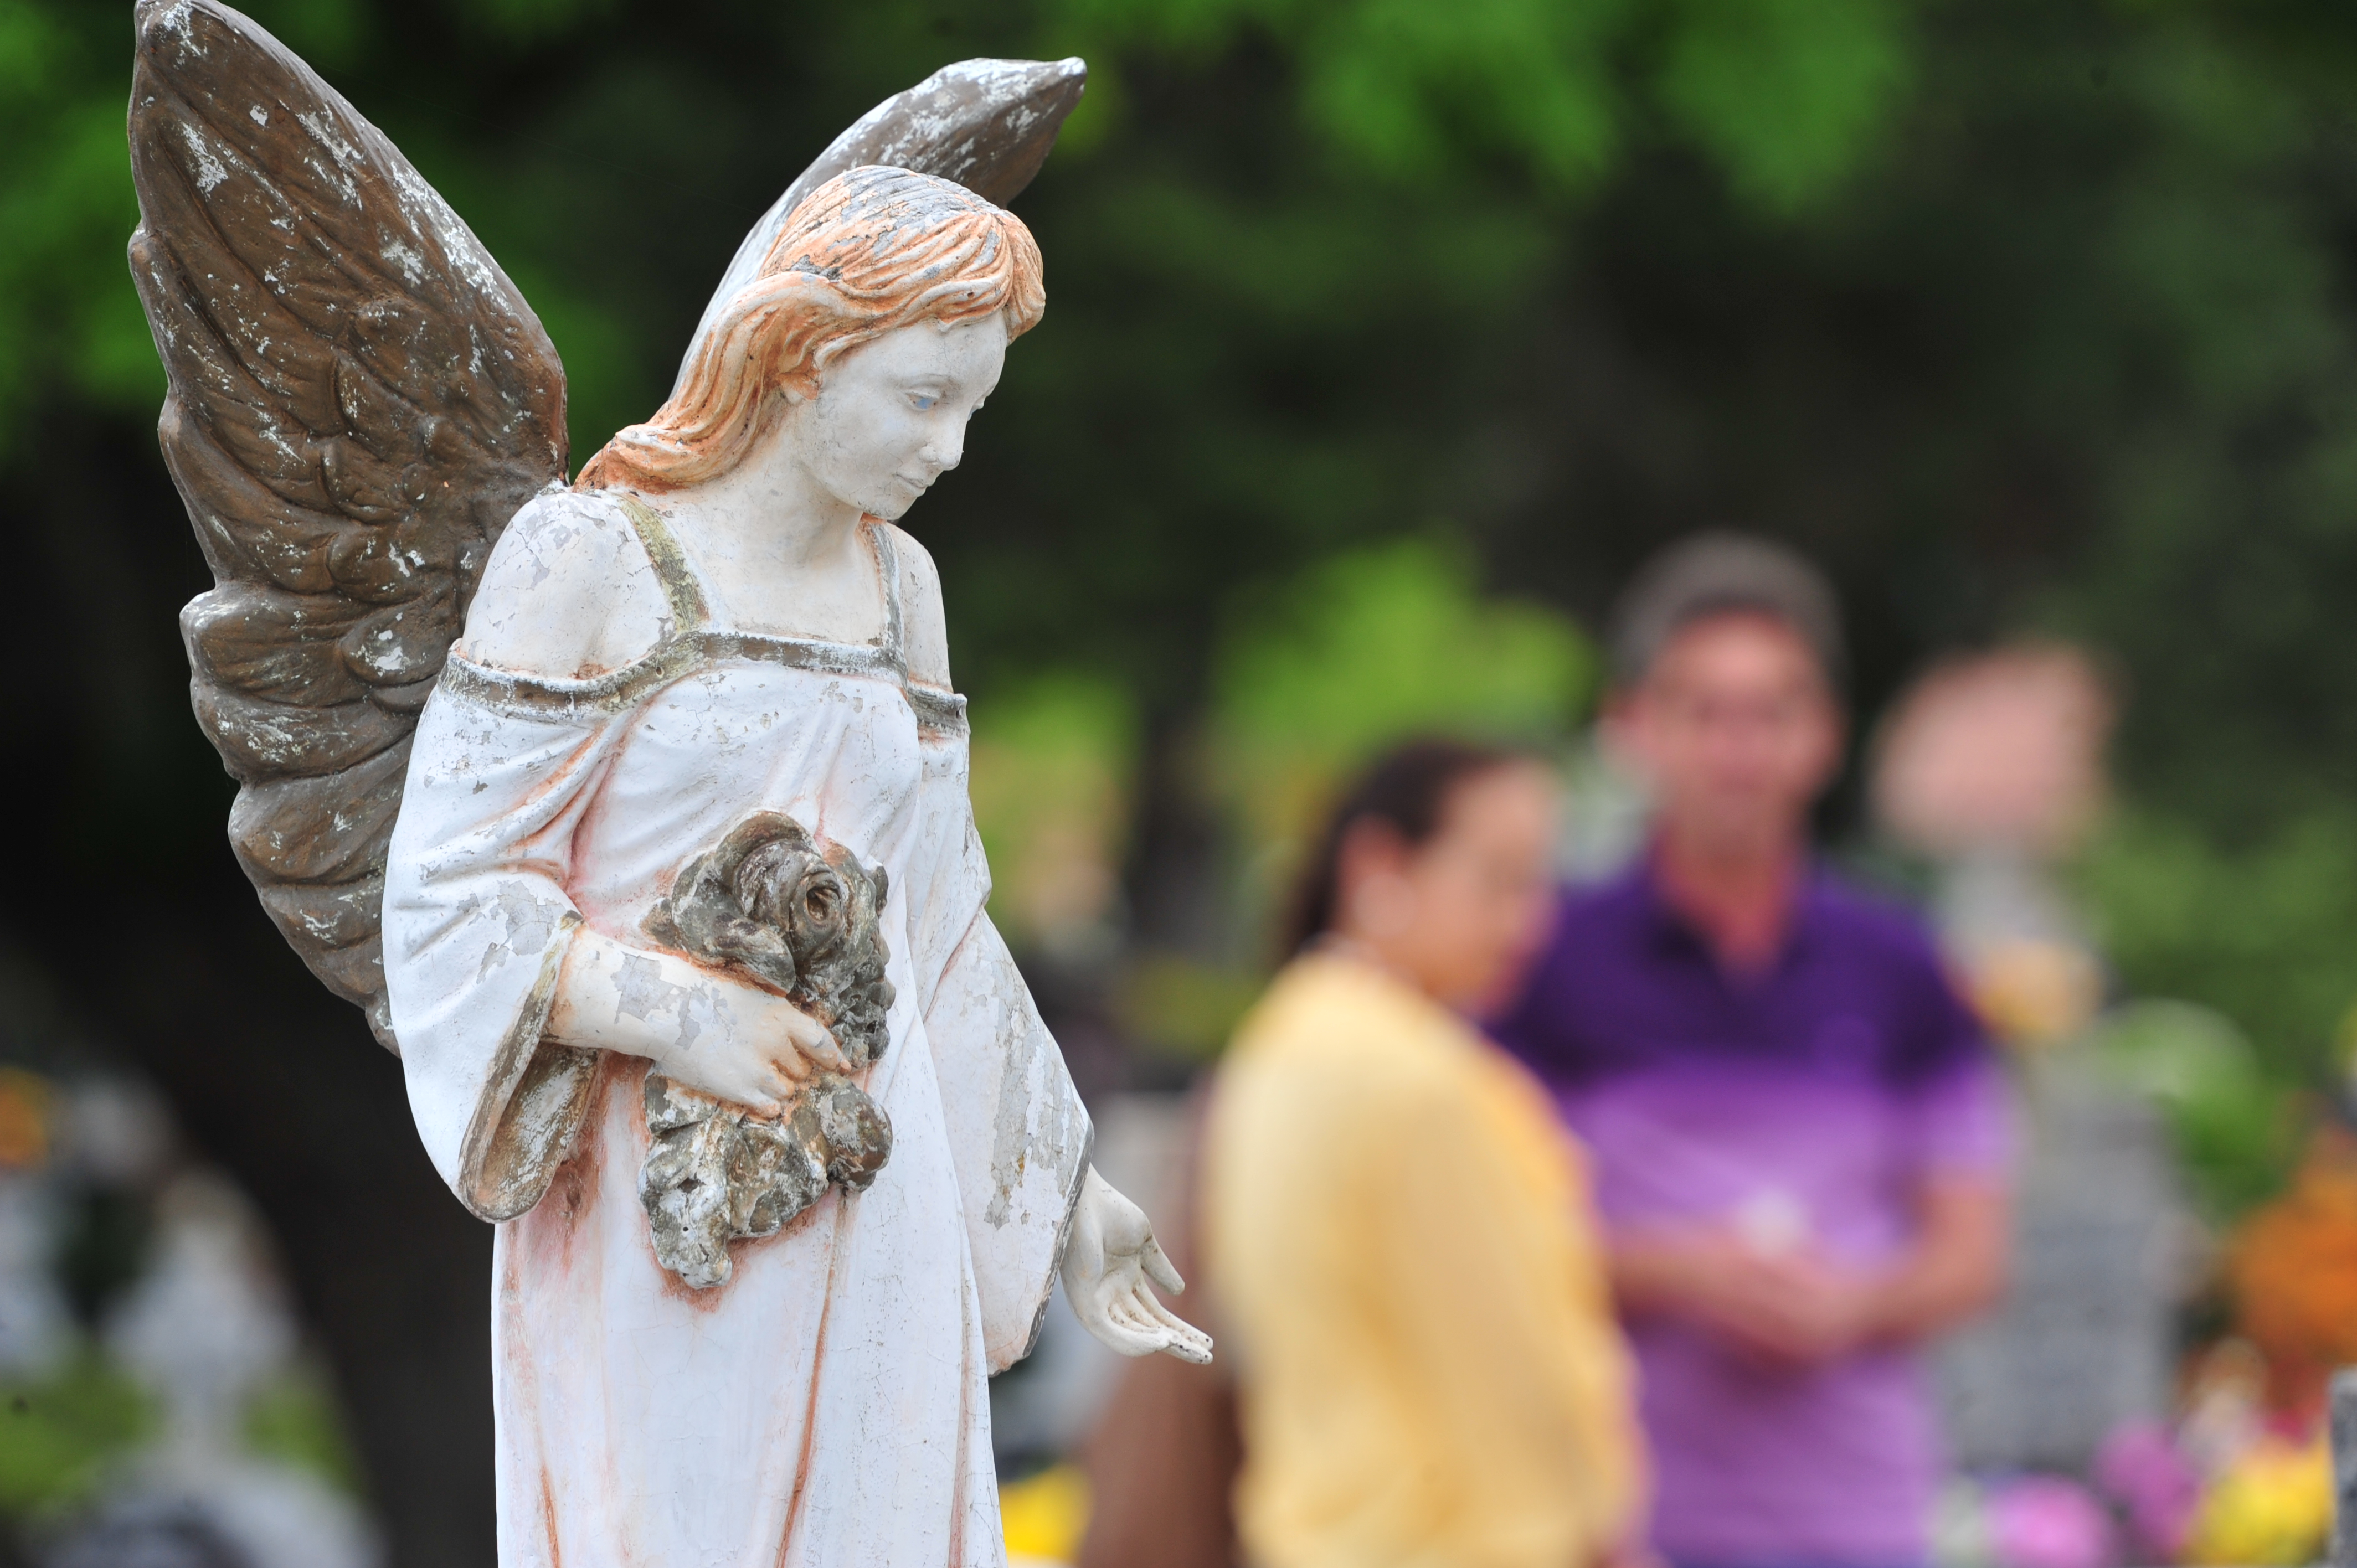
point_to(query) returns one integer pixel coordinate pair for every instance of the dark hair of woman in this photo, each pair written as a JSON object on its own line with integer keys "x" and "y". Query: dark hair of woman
{"x": 1407, "y": 790}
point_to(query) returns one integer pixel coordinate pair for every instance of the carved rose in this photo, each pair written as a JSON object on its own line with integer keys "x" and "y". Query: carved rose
{"x": 800, "y": 916}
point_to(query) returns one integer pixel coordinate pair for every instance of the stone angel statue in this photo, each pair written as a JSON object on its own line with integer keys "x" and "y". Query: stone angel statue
{"x": 633, "y": 811}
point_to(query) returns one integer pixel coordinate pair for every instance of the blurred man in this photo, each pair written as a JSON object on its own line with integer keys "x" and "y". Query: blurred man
{"x": 1797, "y": 1131}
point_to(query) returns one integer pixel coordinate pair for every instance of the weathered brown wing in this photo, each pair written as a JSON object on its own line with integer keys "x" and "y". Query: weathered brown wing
{"x": 360, "y": 401}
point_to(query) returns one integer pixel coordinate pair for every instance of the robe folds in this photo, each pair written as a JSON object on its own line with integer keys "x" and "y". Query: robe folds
{"x": 828, "y": 1403}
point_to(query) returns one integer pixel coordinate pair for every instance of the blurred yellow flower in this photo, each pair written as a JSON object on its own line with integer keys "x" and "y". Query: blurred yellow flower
{"x": 2273, "y": 1505}
{"x": 2035, "y": 992}
{"x": 1044, "y": 1515}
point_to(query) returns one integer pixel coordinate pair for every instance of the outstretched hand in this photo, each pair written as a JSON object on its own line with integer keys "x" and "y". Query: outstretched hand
{"x": 1108, "y": 1259}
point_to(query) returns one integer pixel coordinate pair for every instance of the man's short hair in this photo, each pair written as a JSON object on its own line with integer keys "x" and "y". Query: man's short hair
{"x": 1723, "y": 574}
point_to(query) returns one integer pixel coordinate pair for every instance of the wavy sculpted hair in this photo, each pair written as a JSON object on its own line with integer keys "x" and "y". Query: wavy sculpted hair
{"x": 872, "y": 250}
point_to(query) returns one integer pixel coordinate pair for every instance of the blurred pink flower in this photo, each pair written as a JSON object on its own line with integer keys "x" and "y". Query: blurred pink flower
{"x": 2141, "y": 1467}
{"x": 2043, "y": 1521}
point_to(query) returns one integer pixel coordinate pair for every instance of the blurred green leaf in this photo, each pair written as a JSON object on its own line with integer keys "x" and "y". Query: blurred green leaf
{"x": 1787, "y": 94}
{"x": 2235, "y": 1127}
{"x": 59, "y": 1433}
{"x": 1362, "y": 650}
{"x": 2263, "y": 934}
{"x": 296, "y": 1420}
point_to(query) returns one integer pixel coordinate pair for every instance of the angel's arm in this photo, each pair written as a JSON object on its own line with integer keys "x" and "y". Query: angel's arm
{"x": 1110, "y": 1253}
{"x": 697, "y": 1025}
{"x": 569, "y": 592}
{"x": 501, "y": 994}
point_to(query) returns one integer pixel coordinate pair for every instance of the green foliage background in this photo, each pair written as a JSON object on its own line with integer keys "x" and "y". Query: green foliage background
{"x": 2022, "y": 314}
{"x": 1386, "y": 337}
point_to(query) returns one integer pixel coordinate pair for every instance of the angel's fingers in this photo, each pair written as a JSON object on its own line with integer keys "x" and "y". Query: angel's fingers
{"x": 1193, "y": 1346}
{"x": 1159, "y": 1269}
{"x": 1124, "y": 1309}
{"x": 1168, "y": 1319}
{"x": 819, "y": 1047}
{"x": 1174, "y": 1335}
{"x": 1126, "y": 1339}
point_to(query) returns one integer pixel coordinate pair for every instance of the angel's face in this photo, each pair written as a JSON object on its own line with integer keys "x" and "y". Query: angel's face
{"x": 890, "y": 417}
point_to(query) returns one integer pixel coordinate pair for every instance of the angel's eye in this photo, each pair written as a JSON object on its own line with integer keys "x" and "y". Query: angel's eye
{"x": 923, "y": 402}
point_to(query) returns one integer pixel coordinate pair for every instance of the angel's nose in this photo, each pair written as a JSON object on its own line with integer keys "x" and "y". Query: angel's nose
{"x": 946, "y": 450}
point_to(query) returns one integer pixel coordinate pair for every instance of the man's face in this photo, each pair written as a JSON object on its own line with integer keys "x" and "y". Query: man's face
{"x": 1736, "y": 732}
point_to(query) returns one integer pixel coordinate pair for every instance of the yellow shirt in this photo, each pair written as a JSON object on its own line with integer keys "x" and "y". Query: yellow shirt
{"x": 1400, "y": 1237}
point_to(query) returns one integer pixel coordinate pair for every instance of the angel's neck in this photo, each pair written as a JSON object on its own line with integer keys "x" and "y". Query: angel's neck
{"x": 769, "y": 516}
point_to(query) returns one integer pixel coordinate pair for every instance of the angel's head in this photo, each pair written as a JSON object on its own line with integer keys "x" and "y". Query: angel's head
{"x": 878, "y": 324}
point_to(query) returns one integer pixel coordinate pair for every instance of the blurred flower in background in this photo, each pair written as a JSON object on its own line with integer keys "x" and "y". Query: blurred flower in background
{"x": 2155, "y": 1487}
{"x": 2045, "y": 1521}
{"x": 2272, "y": 1504}
{"x": 1044, "y": 1515}
{"x": 2291, "y": 1273}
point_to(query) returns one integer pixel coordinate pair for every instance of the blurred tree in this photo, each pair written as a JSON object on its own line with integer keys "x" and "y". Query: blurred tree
{"x": 2028, "y": 311}
{"x": 1051, "y": 781}
{"x": 1311, "y": 678}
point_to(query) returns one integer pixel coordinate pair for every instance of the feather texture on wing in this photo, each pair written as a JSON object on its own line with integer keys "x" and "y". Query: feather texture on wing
{"x": 360, "y": 401}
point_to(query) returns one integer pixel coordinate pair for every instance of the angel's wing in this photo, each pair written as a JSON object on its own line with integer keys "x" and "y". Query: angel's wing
{"x": 986, "y": 124}
{"x": 360, "y": 401}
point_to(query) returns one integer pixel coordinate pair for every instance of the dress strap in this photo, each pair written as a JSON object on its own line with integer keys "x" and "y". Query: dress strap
{"x": 688, "y": 610}
{"x": 887, "y": 561}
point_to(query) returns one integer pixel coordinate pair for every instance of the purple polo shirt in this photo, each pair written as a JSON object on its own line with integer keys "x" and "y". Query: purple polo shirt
{"x": 1804, "y": 1106}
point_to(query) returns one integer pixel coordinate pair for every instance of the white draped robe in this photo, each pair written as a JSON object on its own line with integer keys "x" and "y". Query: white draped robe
{"x": 828, "y": 1405}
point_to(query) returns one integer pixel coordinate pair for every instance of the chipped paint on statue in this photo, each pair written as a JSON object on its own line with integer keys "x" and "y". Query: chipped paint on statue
{"x": 634, "y": 811}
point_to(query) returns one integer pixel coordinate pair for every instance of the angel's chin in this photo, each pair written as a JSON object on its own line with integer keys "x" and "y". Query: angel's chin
{"x": 893, "y": 506}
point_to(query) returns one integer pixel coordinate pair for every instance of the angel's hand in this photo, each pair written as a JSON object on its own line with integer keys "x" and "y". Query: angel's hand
{"x": 723, "y": 1037}
{"x": 764, "y": 1048}
{"x": 1109, "y": 1257}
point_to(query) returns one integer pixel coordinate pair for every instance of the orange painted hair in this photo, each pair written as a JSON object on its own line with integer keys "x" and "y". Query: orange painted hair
{"x": 871, "y": 251}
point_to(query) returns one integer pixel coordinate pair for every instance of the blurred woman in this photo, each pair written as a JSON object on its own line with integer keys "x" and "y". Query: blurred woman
{"x": 1400, "y": 1233}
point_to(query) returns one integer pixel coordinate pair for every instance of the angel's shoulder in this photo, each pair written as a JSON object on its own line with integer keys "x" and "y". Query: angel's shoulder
{"x": 568, "y": 592}
{"x": 924, "y": 631}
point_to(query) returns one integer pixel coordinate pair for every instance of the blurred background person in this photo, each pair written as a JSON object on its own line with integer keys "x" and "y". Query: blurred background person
{"x": 1398, "y": 1228}
{"x": 1798, "y": 1133}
